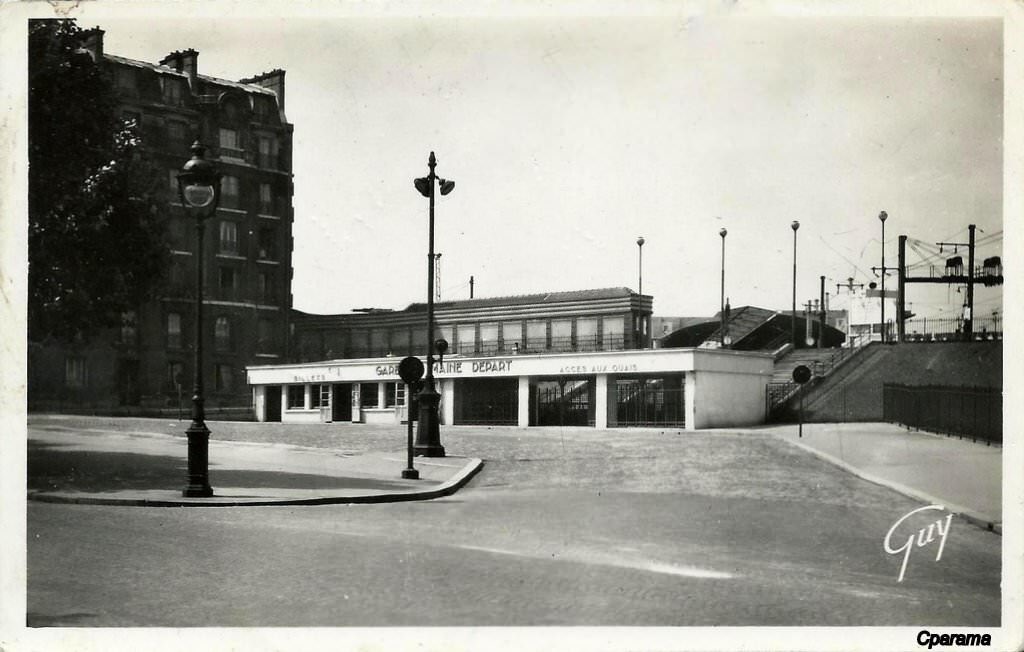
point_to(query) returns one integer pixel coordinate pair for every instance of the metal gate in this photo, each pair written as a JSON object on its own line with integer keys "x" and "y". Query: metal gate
{"x": 650, "y": 402}
{"x": 562, "y": 402}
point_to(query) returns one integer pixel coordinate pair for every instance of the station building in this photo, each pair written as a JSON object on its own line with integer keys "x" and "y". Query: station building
{"x": 558, "y": 359}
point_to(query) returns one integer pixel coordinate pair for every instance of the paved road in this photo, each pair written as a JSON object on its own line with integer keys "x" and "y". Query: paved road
{"x": 571, "y": 527}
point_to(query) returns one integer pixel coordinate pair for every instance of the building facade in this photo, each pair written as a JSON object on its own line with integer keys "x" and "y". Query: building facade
{"x": 147, "y": 363}
{"x": 581, "y": 358}
{"x": 675, "y": 388}
{"x": 610, "y": 319}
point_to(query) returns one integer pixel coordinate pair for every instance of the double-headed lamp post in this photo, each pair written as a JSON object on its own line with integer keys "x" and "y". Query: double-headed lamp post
{"x": 428, "y": 435}
{"x": 795, "y": 225}
{"x": 199, "y": 190}
{"x": 721, "y": 298}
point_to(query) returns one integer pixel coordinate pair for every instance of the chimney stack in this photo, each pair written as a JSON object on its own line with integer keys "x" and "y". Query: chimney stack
{"x": 273, "y": 80}
{"x": 186, "y": 61}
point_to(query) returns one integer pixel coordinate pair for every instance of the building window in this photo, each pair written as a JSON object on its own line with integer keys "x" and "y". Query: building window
{"x": 223, "y": 377}
{"x": 536, "y": 335}
{"x": 296, "y": 397}
{"x": 489, "y": 338}
{"x": 228, "y": 282}
{"x": 267, "y": 243}
{"x": 613, "y": 336}
{"x": 266, "y": 199}
{"x": 222, "y": 334}
{"x": 394, "y": 395}
{"x": 230, "y": 145}
{"x": 263, "y": 107}
{"x": 173, "y": 330}
{"x": 229, "y": 191}
{"x": 74, "y": 372}
{"x": 268, "y": 152}
{"x": 368, "y": 392}
{"x": 175, "y": 376}
{"x": 228, "y": 237}
{"x": 316, "y": 396}
{"x": 586, "y": 334}
{"x": 511, "y": 336}
{"x": 561, "y": 335}
{"x": 266, "y": 288}
{"x": 172, "y": 90}
{"x": 466, "y": 338}
{"x": 129, "y": 328}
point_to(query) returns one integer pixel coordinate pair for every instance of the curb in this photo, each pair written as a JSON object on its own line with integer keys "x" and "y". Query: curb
{"x": 447, "y": 488}
{"x": 982, "y": 521}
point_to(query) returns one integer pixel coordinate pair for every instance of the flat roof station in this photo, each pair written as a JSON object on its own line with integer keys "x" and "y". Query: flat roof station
{"x": 561, "y": 359}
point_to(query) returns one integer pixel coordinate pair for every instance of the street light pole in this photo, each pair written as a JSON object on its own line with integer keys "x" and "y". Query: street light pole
{"x": 721, "y": 297}
{"x": 795, "y": 225}
{"x": 640, "y": 265}
{"x": 882, "y": 216}
{"x": 198, "y": 188}
{"x": 428, "y": 434}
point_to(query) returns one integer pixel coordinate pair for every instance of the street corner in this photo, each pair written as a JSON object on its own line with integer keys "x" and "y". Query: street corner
{"x": 368, "y": 478}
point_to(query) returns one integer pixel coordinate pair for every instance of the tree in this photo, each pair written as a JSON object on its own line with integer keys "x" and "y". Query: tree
{"x": 96, "y": 238}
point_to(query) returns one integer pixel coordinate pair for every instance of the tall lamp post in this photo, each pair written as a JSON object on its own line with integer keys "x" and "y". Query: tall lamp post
{"x": 795, "y": 225}
{"x": 640, "y": 264}
{"x": 721, "y": 297}
{"x": 199, "y": 190}
{"x": 881, "y": 217}
{"x": 428, "y": 435}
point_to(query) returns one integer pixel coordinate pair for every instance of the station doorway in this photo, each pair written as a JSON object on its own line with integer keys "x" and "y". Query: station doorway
{"x": 563, "y": 402}
{"x": 341, "y": 402}
{"x": 651, "y": 401}
{"x": 487, "y": 402}
{"x": 272, "y": 402}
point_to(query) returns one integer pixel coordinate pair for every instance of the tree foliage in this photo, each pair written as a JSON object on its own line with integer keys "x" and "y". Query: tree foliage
{"x": 96, "y": 236}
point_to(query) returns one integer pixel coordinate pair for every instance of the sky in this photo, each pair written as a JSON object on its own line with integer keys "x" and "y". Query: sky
{"x": 570, "y": 136}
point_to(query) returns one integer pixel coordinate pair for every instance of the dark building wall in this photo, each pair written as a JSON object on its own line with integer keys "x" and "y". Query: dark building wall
{"x": 247, "y": 244}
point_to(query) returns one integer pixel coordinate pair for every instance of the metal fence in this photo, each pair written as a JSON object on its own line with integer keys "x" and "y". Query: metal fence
{"x": 975, "y": 412}
{"x": 951, "y": 329}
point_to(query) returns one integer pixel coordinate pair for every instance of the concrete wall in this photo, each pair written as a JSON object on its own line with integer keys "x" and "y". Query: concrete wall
{"x": 724, "y": 399}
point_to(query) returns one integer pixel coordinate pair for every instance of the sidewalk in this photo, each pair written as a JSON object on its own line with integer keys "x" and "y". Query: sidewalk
{"x": 148, "y": 469}
{"x": 964, "y": 476}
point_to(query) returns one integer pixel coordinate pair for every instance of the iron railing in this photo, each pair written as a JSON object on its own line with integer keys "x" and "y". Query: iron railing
{"x": 975, "y": 412}
{"x": 950, "y": 329}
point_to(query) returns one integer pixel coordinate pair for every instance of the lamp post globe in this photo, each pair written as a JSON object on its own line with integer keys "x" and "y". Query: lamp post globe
{"x": 199, "y": 190}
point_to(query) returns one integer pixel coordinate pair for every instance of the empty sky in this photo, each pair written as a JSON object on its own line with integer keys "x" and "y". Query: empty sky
{"x": 568, "y": 136}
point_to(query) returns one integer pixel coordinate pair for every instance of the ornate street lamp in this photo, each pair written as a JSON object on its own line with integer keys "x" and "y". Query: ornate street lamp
{"x": 428, "y": 435}
{"x": 795, "y": 225}
{"x": 881, "y": 217}
{"x": 721, "y": 297}
{"x": 199, "y": 190}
